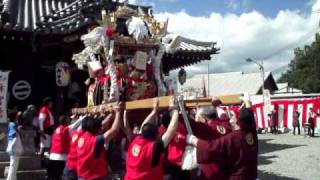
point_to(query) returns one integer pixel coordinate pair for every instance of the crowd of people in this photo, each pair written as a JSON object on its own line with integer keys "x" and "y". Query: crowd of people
{"x": 105, "y": 145}
{"x": 308, "y": 127}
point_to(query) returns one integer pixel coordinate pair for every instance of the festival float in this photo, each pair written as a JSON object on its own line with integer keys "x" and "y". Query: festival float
{"x": 128, "y": 55}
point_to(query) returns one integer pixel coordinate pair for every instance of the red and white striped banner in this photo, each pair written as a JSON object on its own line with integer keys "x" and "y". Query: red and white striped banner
{"x": 284, "y": 110}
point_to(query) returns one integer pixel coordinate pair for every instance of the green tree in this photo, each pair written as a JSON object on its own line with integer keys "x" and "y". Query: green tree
{"x": 304, "y": 68}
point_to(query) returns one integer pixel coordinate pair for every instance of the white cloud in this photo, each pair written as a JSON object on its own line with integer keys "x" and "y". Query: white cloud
{"x": 247, "y": 35}
{"x": 316, "y": 5}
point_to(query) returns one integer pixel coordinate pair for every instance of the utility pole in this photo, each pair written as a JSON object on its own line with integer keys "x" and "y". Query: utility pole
{"x": 263, "y": 79}
{"x": 261, "y": 67}
{"x": 208, "y": 73}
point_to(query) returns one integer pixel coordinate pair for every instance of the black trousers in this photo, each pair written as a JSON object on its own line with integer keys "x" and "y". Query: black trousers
{"x": 294, "y": 130}
{"x": 311, "y": 130}
{"x": 55, "y": 169}
{"x": 69, "y": 174}
{"x": 177, "y": 173}
{"x": 273, "y": 129}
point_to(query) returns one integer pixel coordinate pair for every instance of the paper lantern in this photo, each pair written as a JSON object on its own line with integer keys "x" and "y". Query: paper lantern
{"x": 63, "y": 74}
{"x": 182, "y": 76}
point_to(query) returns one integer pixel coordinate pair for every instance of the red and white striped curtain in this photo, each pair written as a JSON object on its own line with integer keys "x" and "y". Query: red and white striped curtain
{"x": 284, "y": 110}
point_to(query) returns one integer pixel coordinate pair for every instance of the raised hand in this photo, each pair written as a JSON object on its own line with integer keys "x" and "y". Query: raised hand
{"x": 156, "y": 105}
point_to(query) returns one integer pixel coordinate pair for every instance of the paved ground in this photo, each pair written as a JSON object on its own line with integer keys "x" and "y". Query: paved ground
{"x": 289, "y": 157}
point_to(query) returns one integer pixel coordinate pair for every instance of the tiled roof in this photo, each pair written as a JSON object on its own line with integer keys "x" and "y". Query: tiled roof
{"x": 185, "y": 46}
{"x": 25, "y": 14}
{"x": 21, "y": 19}
{"x": 179, "y": 43}
{"x": 185, "y": 52}
{"x": 54, "y": 16}
{"x": 228, "y": 83}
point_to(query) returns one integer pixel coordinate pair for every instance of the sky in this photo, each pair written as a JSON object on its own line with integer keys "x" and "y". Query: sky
{"x": 267, "y": 30}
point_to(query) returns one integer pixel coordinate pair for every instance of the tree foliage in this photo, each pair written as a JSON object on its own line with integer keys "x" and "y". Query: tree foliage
{"x": 304, "y": 69}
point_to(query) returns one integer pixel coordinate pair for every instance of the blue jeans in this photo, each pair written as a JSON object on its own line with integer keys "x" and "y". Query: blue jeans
{"x": 69, "y": 174}
{"x": 79, "y": 178}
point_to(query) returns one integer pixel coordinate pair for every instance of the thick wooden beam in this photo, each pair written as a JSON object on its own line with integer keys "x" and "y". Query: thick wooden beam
{"x": 225, "y": 100}
{"x": 164, "y": 102}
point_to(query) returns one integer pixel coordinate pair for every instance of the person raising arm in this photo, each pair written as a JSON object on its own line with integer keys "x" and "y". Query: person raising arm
{"x": 237, "y": 151}
{"x": 90, "y": 148}
{"x": 146, "y": 151}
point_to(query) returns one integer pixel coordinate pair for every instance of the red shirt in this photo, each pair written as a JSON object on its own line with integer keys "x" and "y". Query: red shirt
{"x": 60, "y": 140}
{"x": 161, "y": 130}
{"x": 224, "y": 120}
{"x": 139, "y": 161}
{"x": 220, "y": 128}
{"x": 89, "y": 166}
{"x": 103, "y": 79}
{"x": 210, "y": 131}
{"x": 72, "y": 156}
{"x": 236, "y": 152}
{"x": 177, "y": 146}
{"x": 48, "y": 122}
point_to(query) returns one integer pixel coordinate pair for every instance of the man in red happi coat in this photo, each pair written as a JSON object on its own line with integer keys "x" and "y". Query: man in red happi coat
{"x": 236, "y": 153}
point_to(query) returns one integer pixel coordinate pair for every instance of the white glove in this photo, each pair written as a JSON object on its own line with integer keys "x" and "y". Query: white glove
{"x": 245, "y": 97}
{"x": 189, "y": 158}
{"x": 190, "y": 138}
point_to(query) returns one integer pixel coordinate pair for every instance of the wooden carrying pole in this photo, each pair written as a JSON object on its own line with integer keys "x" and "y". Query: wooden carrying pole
{"x": 164, "y": 102}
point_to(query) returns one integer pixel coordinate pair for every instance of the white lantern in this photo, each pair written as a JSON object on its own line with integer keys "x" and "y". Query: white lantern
{"x": 63, "y": 74}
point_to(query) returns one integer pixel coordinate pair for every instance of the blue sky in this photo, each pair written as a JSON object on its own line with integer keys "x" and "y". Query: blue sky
{"x": 269, "y": 8}
{"x": 242, "y": 29}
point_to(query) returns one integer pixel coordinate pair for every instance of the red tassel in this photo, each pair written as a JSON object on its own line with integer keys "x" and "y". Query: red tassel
{"x": 109, "y": 32}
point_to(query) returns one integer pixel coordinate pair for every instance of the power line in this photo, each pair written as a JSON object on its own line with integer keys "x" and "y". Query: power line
{"x": 279, "y": 69}
{"x": 294, "y": 43}
{"x": 316, "y": 11}
{"x": 291, "y": 45}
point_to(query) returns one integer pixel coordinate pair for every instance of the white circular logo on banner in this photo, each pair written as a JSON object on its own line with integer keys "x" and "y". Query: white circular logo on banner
{"x": 21, "y": 90}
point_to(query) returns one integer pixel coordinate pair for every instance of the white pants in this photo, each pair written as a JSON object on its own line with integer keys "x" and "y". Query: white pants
{"x": 14, "y": 163}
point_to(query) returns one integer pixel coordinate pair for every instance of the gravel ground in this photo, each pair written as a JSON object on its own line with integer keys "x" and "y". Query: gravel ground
{"x": 288, "y": 157}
